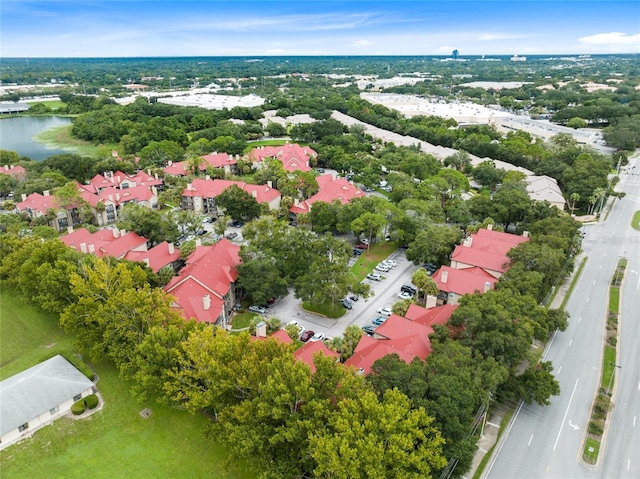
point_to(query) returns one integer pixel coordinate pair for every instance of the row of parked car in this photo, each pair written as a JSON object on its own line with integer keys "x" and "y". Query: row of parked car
{"x": 308, "y": 335}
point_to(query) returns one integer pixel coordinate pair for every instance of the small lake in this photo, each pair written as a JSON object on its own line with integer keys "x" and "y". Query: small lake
{"x": 17, "y": 133}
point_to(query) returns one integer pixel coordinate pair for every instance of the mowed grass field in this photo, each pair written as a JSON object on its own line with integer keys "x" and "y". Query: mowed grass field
{"x": 115, "y": 442}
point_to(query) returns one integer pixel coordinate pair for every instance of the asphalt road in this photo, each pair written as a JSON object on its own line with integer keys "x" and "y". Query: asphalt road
{"x": 385, "y": 293}
{"x": 545, "y": 442}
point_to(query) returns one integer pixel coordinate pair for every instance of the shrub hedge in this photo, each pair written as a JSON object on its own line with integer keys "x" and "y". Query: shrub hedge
{"x": 78, "y": 407}
{"x": 91, "y": 401}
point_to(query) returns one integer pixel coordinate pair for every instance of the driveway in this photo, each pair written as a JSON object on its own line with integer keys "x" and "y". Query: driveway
{"x": 384, "y": 294}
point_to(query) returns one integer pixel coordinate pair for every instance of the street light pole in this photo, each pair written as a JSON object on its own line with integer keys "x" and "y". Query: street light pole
{"x": 613, "y": 373}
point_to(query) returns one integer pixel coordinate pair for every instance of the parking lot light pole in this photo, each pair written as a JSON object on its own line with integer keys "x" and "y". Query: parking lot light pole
{"x": 613, "y": 373}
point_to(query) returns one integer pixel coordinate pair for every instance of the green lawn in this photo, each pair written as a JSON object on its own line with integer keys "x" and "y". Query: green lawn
{"x": 635, "y": 221}
{"x": 115, "y": 442}
{"x": 369, "y": 259}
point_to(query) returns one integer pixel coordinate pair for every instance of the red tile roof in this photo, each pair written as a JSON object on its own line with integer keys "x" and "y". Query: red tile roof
{"x": 514, "y": 240}
{"x": 211, "y": 188}
{"x": 329, "y": 189}
{"x": 216, "y": 160}
{"x": 310, "y": 349}
{"x": 406, "y": 338}
{"x": 482, "y": 259}
{"x": 280, "y": 335}
{"x": 463, "y": 281}
{"x": 430, "y": 316}
{"x": 158, "y": 257}
{"x": 210, "y": 270}
{"x": 292, "y": 156}
{"x": 38, "y": 203}
{"x": 16, "y": 171}
{"x": 191, "y": 303}
{"x": 105, "y": 242}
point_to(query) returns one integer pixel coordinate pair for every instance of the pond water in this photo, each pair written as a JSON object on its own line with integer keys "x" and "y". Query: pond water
{"x": 17, "y": 133}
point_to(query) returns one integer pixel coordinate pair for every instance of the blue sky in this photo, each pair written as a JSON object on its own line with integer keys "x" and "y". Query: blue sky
{"x": 57, "y": 28}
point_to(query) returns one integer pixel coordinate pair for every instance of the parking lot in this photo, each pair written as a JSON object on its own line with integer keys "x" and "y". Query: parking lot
{"x": 384, "y": 294}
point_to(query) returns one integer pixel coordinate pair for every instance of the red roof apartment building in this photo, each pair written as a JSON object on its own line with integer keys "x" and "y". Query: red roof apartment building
{"x": 205, "y": 288}
{"x": 199, "y": 196}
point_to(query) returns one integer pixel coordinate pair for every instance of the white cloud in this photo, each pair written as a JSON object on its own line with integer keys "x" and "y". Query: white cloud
{"x": 361, "y": 43}
{"x": 612, "y": 39}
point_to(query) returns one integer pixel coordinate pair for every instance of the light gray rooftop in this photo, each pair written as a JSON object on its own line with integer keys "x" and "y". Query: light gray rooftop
{"x": 37, "y": 390}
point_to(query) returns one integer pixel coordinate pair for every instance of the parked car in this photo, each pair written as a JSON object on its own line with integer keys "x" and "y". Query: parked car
{"x": 379, "y": 320}
{"x": 272, "y": 300}
{"x": 369, "y": 329}
{"x": 346, "y": 303}
{"x": 407, "y": 288}
{"x": 374, "y": 277}
{"x": 231, "y": 235}
{"x": 307, "y": 335}
{"x": 254, "y": 308}
{"x": 431, "y": 268}
{"x": 390, "y": 262}
{"x": 382, "y": 267}
{"x": 357, "y": 252}
{"x": 354, "y": 297}
{"x": 385, "y": 311}
{"x": 362, "y": 246}
{"x": 237, "y": 224}
{"x": 212, "y": 219}
{"x": 405, "y": 295}
{"x": 317, "y": 337}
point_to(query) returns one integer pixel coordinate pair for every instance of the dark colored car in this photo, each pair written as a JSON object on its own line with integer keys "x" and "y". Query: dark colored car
{"x": 356, "y": 252}
{"x": 346, "y": 303}
{"x": 306, "y": 336}
{"x": 369, "y": 330}
{"x": 231, "y": 235}
{"x": 354, "y": 297}
{"x": 431, "y": 268}
{"x": 237, "y": 224}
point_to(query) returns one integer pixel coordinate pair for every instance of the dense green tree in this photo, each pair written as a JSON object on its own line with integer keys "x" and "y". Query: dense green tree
{"x": 433, "y": 244}
{"x": 154, "y": 225}
{"x": 400, "y": 442}
{"x": 238, "y": 204}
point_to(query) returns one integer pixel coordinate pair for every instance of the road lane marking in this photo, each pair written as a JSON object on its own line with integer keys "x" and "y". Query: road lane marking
{"x": 570, "y": 341}
{"x": 600, "y": 267}
{"x": 587, "y": 299}
{"x": 605, "y": 253}
{"x": 579, "y": 319}
{"x": 559, "y": 369}
{"x": 529, "y": 443}
{"x": 564, "y": 419}
{"x": 628, "y": 464}
{"x": 634, "y": 421}
{"x": 497, "y": 452}
{"x": 594, "y": 282}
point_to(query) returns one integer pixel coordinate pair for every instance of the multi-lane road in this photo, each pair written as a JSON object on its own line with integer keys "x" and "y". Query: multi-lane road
{"x": 546, "y": 442}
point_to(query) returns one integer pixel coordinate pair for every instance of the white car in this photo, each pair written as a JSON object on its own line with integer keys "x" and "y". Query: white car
{"x": 405, "y": 295}
{"x": 382, "y": 267}
{"x": 385, "y": 311}
{"x": 317, "y": 337}
{"x": 390, "y": 262}
{"x": 257, "y": 309}
{"x": 374, "y": 277}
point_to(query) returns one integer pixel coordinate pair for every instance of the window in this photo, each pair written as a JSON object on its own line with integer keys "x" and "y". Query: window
{"x": 77, "y": 397}
{"x": 54, "y": 410}
{"x": 23, "y": 427}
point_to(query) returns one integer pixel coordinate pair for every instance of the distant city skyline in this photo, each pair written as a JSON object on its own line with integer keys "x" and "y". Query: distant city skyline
{"x": 59, "y": 28}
